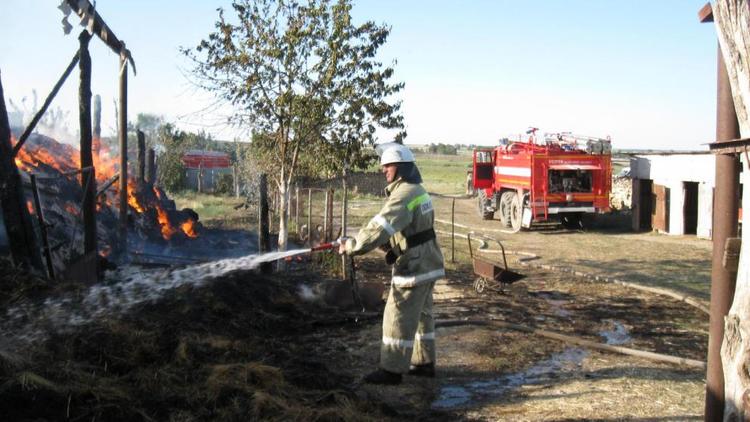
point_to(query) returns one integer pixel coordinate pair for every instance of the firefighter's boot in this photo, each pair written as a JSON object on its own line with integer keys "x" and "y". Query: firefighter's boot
{"x": 383, "y": 377}
{"x": 426, "y": 370}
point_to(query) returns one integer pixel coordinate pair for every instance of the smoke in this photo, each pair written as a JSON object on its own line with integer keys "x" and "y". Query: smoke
{"x": 54, "y": 123}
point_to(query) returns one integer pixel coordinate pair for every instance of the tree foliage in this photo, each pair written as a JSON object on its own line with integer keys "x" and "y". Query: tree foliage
{"x": 442, "y": 149}
{"x": 304, "y": 79}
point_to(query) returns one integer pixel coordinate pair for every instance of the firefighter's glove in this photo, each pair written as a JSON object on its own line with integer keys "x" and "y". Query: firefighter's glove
{"x": 390, "y": 256}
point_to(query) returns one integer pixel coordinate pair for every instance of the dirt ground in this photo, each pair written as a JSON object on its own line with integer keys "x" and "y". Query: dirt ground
{"x": 244, "y": 346}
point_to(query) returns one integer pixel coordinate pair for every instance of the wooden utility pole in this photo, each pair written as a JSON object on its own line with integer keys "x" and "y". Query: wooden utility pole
{"x": 88, "y": 173}
{"x": 264, "y": 237}
{"x": 23, "y": 246}
{"x": 141, "y": 157}
{"x": 123, "y": 138}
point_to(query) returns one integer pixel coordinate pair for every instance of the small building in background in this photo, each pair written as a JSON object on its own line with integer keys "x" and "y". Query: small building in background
{"x": 204, "y": 168}
{"x": 673, "y": 193}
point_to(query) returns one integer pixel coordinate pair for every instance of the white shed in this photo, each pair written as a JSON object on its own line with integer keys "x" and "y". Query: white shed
{"x": 673, "y": 192}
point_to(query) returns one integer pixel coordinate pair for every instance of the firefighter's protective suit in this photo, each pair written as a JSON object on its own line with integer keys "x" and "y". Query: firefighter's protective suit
{"x": 405, "y": 224}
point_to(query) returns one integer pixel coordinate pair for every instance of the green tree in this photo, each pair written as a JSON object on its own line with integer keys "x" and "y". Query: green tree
{"x": 305, "y": 79}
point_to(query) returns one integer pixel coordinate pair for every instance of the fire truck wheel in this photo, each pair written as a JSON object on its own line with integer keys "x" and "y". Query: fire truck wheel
{"x": 506, "y": 199}
{"x": 516, "y": 212}
{"x": 482, "y": 206}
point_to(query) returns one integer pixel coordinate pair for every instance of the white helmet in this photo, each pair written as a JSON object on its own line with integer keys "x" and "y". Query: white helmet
{"x": 394, "y": 153}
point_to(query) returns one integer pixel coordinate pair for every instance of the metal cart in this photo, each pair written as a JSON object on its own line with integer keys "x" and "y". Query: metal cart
{"x": 491, "y": 275}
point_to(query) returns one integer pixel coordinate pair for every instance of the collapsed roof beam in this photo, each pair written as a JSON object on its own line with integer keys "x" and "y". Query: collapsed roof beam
{"x": 91, "y": 19}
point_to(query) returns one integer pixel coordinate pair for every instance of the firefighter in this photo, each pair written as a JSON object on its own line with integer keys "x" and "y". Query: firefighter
{"x": 404, "y": 229}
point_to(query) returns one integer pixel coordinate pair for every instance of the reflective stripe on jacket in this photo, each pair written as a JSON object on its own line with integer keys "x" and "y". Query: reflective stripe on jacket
{"x": 407, "y": 210}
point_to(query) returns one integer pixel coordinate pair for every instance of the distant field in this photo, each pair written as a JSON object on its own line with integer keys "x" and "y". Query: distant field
{"x": 444, "y": 174}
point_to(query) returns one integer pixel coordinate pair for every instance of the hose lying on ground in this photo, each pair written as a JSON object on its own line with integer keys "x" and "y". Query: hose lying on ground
{"x": 574, "y": 340}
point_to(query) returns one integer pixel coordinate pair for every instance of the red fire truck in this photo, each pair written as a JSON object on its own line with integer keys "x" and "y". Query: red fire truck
{"x": 564, "y": 178}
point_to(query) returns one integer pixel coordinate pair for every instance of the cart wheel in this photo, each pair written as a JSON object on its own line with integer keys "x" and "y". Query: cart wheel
{"x": 480, "y": 284}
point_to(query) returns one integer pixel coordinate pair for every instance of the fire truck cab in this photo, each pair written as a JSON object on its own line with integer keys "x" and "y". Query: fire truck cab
{"x": 565, "y": 178}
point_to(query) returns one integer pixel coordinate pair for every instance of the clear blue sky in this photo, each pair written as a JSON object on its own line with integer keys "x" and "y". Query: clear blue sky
{"x": 642, "y": 72}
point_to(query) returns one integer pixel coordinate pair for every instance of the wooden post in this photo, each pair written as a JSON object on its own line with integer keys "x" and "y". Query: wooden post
{"x": 453, "y": 231}
{"x": 42, "y": 227}
{"x": 264, "y": 238}
{"x": 309, "y": 217}
{"x": 236, "y": 181}
{"x": 329, "y": 206}
{"x": 200, "y": 177}
{"x": 296, "y": 209}
{"x": 88, "y": 177}
{"x": 141, "y": 157}
{"x": 326, "y": 212}
{"x": 23, "y": 246}
{"x": 123, "y": 138}
{"x": 344, "y": 216}
{"x": 97, "y": 141}
{"x": 150, "y": 167}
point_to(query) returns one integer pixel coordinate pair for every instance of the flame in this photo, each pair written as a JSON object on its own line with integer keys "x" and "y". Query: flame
{"x": 132, "y": 200}
{"x": 167, "y": 231}
{"x": 30, "y": 206}
{"x": 65, "y": 159}
{"x": 188, "y": 227}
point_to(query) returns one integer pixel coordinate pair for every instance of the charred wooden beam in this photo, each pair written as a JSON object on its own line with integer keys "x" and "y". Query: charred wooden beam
{"x": 96, "y": 26}
{"x": 88, "y": 177}
{"x": 23, "y": 246}
{"x": 108, "y": 184}
{"x": 141, "y": 157}
{"x": 45, "y": 106}
{"x": 123, "y": 138}
{"x": 42, "y": 228}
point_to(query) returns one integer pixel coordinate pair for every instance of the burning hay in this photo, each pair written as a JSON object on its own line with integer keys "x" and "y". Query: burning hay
{"x": 156, "y": 228}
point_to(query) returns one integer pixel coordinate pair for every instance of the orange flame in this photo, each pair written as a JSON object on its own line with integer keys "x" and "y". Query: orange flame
{"x": 132, "y": 200}
{"x": 167, "y": 231}
{"x": 188, "y": 227}
{"x": 30, "y": 206}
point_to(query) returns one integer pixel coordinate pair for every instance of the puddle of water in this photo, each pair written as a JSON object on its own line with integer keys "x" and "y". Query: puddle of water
{"x": 453, "y": 396}
{"x": 557, "y": 304}
{"x": 616, "y": 333}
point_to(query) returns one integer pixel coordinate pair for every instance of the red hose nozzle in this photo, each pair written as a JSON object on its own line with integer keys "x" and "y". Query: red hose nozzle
{"x": 325, "y": 246}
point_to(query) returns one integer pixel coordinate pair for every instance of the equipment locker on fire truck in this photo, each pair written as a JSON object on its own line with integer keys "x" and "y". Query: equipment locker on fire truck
{"x": 565, "y": 178}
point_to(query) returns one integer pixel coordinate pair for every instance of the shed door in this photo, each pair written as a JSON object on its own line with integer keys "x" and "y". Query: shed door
{"x": 660, "y": 210}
